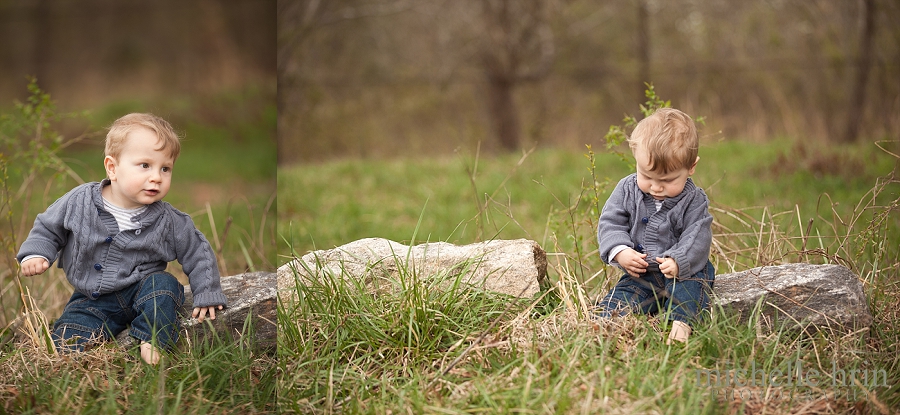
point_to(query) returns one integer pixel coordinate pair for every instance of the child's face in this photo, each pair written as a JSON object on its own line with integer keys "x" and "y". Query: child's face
{"x": 141, "y": 174}
{"x": 657, "y": 184}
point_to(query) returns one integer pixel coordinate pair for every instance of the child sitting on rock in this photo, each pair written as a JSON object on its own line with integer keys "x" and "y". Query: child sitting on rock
{"x": 656, "y": 227}
{"x": 114, "y": 239}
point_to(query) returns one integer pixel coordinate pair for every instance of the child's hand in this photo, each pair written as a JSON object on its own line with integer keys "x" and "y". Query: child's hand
{"x": 34, "y": 266}
{"x": 200, "y": 312}
{"x": 668, "y": 267}
{"x": 632, "y": 261}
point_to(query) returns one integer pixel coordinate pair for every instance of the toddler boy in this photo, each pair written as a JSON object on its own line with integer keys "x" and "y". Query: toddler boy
{"x": 114, "y": 239}
{"x": 656, "y": 227}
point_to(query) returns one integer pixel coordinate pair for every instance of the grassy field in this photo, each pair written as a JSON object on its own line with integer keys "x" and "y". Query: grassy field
{"x": 417, "y": 350}
{"x": 224, "y": 178}
{"x": 465, "y": 198}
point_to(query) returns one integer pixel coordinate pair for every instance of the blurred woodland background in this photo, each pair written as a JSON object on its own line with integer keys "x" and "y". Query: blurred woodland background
{"x": 94, "y": 51}
{"x": 364, "y": 78}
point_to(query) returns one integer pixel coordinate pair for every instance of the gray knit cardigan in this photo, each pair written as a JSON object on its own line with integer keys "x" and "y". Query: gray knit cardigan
{"x": 681, "y": 229}
{"x": 98, "y": 259}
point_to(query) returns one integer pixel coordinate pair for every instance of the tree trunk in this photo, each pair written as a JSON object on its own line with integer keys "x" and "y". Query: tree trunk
{"x": 643, "y": 49}
{"x": 217, "y": 55}
{"x": 42, "y": 51}
{"x": 504, "y": 113}
{"x": 864, "y": 62}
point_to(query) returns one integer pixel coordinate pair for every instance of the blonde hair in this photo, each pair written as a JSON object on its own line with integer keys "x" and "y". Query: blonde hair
{"x": 118, "y": 132}
{"x": 670, "y": 138}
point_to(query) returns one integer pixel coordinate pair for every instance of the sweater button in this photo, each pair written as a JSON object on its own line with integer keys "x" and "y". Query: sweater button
{"x": 95, "y": 295}
{"x": 640, "y": 248}
{"x": 98, "y": 267}
{"x": 645, "y": 219}
{"x": 108, "y": 239}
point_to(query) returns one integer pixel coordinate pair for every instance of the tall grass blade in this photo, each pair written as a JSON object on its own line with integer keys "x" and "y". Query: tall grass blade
{"x": 247, "y": 256}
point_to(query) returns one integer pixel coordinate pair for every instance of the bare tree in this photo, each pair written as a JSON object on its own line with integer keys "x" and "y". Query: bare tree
{"x": 863, "y": 63}
{"x": 295, "y": 22}
{"x": 643, "y": 48}
{"x": 517, "y": 47}
{"x": 43, "y": 39}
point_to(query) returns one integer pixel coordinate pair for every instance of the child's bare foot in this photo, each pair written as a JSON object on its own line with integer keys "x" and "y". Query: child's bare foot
{"x": 680, "y": 332}
{"x": 149, "y": 353}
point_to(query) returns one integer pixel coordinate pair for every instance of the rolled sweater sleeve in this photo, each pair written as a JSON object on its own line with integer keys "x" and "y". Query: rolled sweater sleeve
{"x": 198, "y": 261}
{"x": 49, "y": 234}
{"x": 614, "y": 228}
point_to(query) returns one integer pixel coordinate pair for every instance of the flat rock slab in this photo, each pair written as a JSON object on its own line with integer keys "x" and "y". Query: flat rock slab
{"x": 803, "y": 294}
{"x": 251, "y": 294}
{"x": 514, "y": 267}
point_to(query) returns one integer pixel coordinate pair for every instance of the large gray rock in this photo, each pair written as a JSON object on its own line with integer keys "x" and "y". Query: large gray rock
{"x": 515, "y": 267}
{"x": 250, "y": 295}
{"x": 804, "y": 295}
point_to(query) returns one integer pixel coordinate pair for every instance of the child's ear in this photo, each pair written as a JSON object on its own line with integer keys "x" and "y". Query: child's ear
{"x": 109, "y": 163}
{"x": 694, "y": 167}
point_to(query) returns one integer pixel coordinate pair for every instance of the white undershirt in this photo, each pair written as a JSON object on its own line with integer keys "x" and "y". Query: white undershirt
{"x": 123, "y": 216}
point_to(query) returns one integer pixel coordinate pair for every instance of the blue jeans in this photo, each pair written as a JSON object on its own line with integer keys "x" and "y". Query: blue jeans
{"x": 683, "y": 298}
{"x": 151, "y": 306}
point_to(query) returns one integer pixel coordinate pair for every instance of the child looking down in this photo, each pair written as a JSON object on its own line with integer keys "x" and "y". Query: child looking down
{"x": 656, "y": 227}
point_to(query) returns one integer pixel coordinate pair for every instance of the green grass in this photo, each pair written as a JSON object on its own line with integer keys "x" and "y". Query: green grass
{"x": 463, "y": 199}
{"x": 345, "y": 346}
